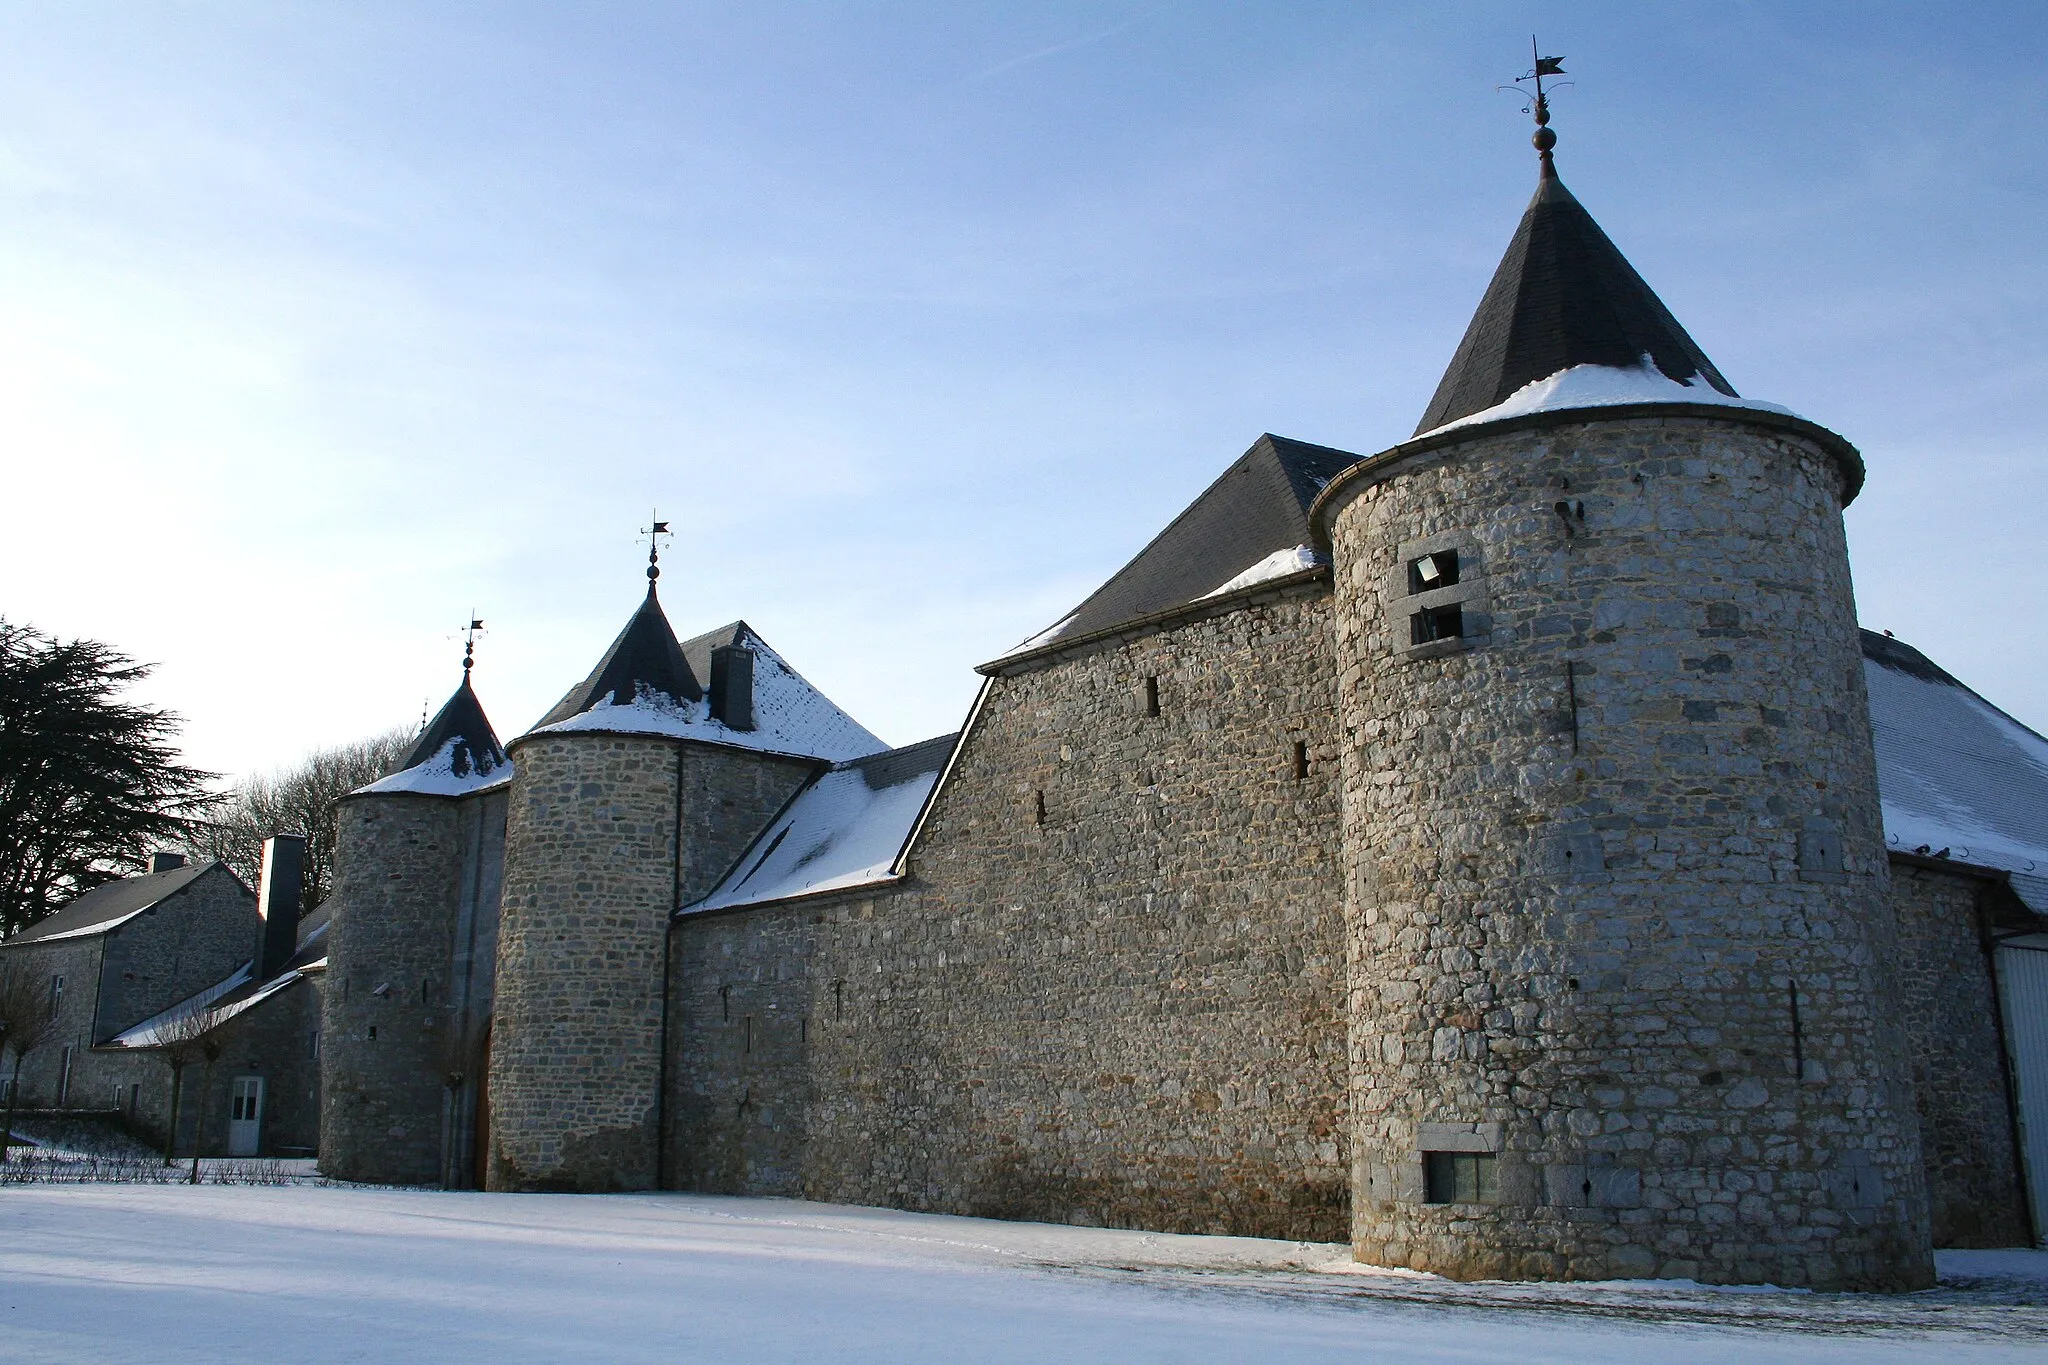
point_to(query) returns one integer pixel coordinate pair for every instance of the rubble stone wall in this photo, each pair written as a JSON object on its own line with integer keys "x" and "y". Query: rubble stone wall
{"x": 1949, "y": 1002}
{"x": 387, "y": 1046}
{"x": 1620, "y": 920}
{"x": 606, "y": 835}
{"x": 1111, "y": 990}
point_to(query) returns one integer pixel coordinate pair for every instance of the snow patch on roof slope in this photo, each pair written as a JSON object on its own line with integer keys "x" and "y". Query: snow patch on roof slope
{"x": 1279, "y": 564}
{"x": 790, "y": 717}
{"x": 846, "y": 829}
{"x": 1606, "y": 386}
{"x": 436, "y": 776}
{"x": 1954, "y": 772}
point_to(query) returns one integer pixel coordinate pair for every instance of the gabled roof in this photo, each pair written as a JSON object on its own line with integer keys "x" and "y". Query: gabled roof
{"x": 106, "y": 907}
{"x": 842, "y": 831}
{"x": 1563, "y": 296}
{"x": 1958, "y": 778}
{"x": 457, "y": 753}
{"x": 1254, "y": 513}
{"x": 644, "y": 659}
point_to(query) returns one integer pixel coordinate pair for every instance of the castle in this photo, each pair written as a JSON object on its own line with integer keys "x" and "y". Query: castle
{"x": 1473, "y": 851}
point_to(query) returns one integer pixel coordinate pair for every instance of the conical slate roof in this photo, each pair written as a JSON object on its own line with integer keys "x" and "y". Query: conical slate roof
{"x": 644, "y": 659}
{"x": 460, "y": 721}
{"x": 1564, "y": 295}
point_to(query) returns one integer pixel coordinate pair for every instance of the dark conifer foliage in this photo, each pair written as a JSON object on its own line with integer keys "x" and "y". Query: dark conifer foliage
{"x": 89, "y": 784}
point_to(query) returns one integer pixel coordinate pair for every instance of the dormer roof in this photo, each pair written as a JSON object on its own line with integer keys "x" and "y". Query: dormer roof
{"x": 1563, "y": 296}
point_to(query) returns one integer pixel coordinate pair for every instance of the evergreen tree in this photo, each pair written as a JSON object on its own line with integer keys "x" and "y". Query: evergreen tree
{"x": 88, "y": 783}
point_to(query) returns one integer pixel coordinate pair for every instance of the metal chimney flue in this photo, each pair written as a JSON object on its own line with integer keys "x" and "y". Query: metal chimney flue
{"x": 279, "y": 898}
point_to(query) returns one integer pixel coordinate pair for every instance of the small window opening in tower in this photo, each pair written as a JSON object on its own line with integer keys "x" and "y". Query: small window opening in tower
{"x": 1437, "y": 623}
{"x": 1038, "y": 807}
{"x": 1300, "y": 759}
{"x": 1439, "y": 570}
{"x": 747, "y": 1040}
{"x": 1151, "y": 696}
{"x": 1460, "y": 1178}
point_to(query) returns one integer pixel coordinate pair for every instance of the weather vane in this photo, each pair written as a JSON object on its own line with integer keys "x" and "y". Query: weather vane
{"x": 1539, "y": 106}
{"x": 654, "y": 533}
{"x": 476, "y": 628}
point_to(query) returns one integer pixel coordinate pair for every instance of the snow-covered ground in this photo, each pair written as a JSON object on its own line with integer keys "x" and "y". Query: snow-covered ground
{"x": 174, "y": 1274}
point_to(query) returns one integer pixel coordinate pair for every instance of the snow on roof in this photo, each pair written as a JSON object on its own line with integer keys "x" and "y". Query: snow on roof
{"x": 1954, "y": 772}
{"x": 226, "y": 999}
{"x": 1606, "y": 386}
{"x": 1278, "y": 564}
{"x": 790, "y": 716}
{"x": 438, "y": 775}
{"x": 845, "y": 829}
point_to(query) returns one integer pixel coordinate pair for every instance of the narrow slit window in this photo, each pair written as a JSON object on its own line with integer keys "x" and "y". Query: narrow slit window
{"x": 1038, "y": 807}
{"x": 1461, "y": 1177}
{"x": 1426, "y": 573}
{"x": 1436, "y": 623}
{"x": 1151, "y": 696}
{"x": 747, "y": 1035}
{"x": 1300, "y": 760}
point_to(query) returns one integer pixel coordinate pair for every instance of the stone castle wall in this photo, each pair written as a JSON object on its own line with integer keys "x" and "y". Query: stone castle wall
{"x": 1949, "y": 1000}
{"x": 192, "y": 940}
{"x": 607, "y": 833}
{"x": 1586, "y": 905}
{"x": 388, "y": 1048}
{"x": 1112, "y": 989}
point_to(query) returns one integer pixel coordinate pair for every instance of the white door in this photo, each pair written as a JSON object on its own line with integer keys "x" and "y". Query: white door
{"x": 245, "y": 1116}
{"x": 2023, "y": 987}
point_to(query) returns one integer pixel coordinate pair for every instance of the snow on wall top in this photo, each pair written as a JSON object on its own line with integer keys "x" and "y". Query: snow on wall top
{"x": 845, "y": 829}
{"x": 1605, "y": 386}
{"x": 1954, "y": 772}
{"x": 438, "y": 775}
{"x": 790, "y": 716}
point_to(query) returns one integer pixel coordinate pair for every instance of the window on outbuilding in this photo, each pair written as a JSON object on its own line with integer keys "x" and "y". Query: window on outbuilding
{"x": 56, "y": 995}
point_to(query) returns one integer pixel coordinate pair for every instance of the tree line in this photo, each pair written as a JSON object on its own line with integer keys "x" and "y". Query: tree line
{"x": 91, "y": 783}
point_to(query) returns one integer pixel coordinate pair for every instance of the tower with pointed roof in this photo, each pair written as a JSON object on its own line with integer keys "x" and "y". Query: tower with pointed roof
{"x": 1616, "y": 893}
{"x": 633, "y": 794}
{"x": 412, "y": 956}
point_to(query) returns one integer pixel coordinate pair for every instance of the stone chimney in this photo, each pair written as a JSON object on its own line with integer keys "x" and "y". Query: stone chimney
{"x": 280, "y": 892}
{"x": 732, "y": 686}
{"x": 165, "y": 861}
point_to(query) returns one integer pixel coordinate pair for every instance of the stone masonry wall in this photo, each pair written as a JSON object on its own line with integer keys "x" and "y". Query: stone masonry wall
{"x": 607, "y": 833}
{"x": 1111, "y": 992}
{"x": 1622, "y": 931}
{"x": 1950, "y": 1005}
{"x": 193, "y": 939}
{"x": 386, "y": 1047}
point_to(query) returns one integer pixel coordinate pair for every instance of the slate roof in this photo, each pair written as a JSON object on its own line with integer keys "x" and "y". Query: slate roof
{"x": 844, "y": 829}
{"x": 648, "y": 683}
{"x": 1956, "y": 775}
{"x": 1564, "y": 295}
{"x": 457, "y": 753}
{"x": 115, "y": 903}
{"x": 1257, "y": 508}
{"x": 644, "y": 658}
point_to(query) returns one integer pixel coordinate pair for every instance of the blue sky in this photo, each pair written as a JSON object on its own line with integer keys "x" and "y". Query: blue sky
{"x": 321, "y": 325}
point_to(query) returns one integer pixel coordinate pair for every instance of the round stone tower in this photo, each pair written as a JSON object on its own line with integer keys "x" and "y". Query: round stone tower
{"x": 632, "y": 795}
{"x": 1617, "y": 889}
{"x": 413, "y": 911}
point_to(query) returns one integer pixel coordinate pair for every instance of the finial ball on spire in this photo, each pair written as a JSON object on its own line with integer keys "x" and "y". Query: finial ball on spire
{"x": 1544, "y": 139}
